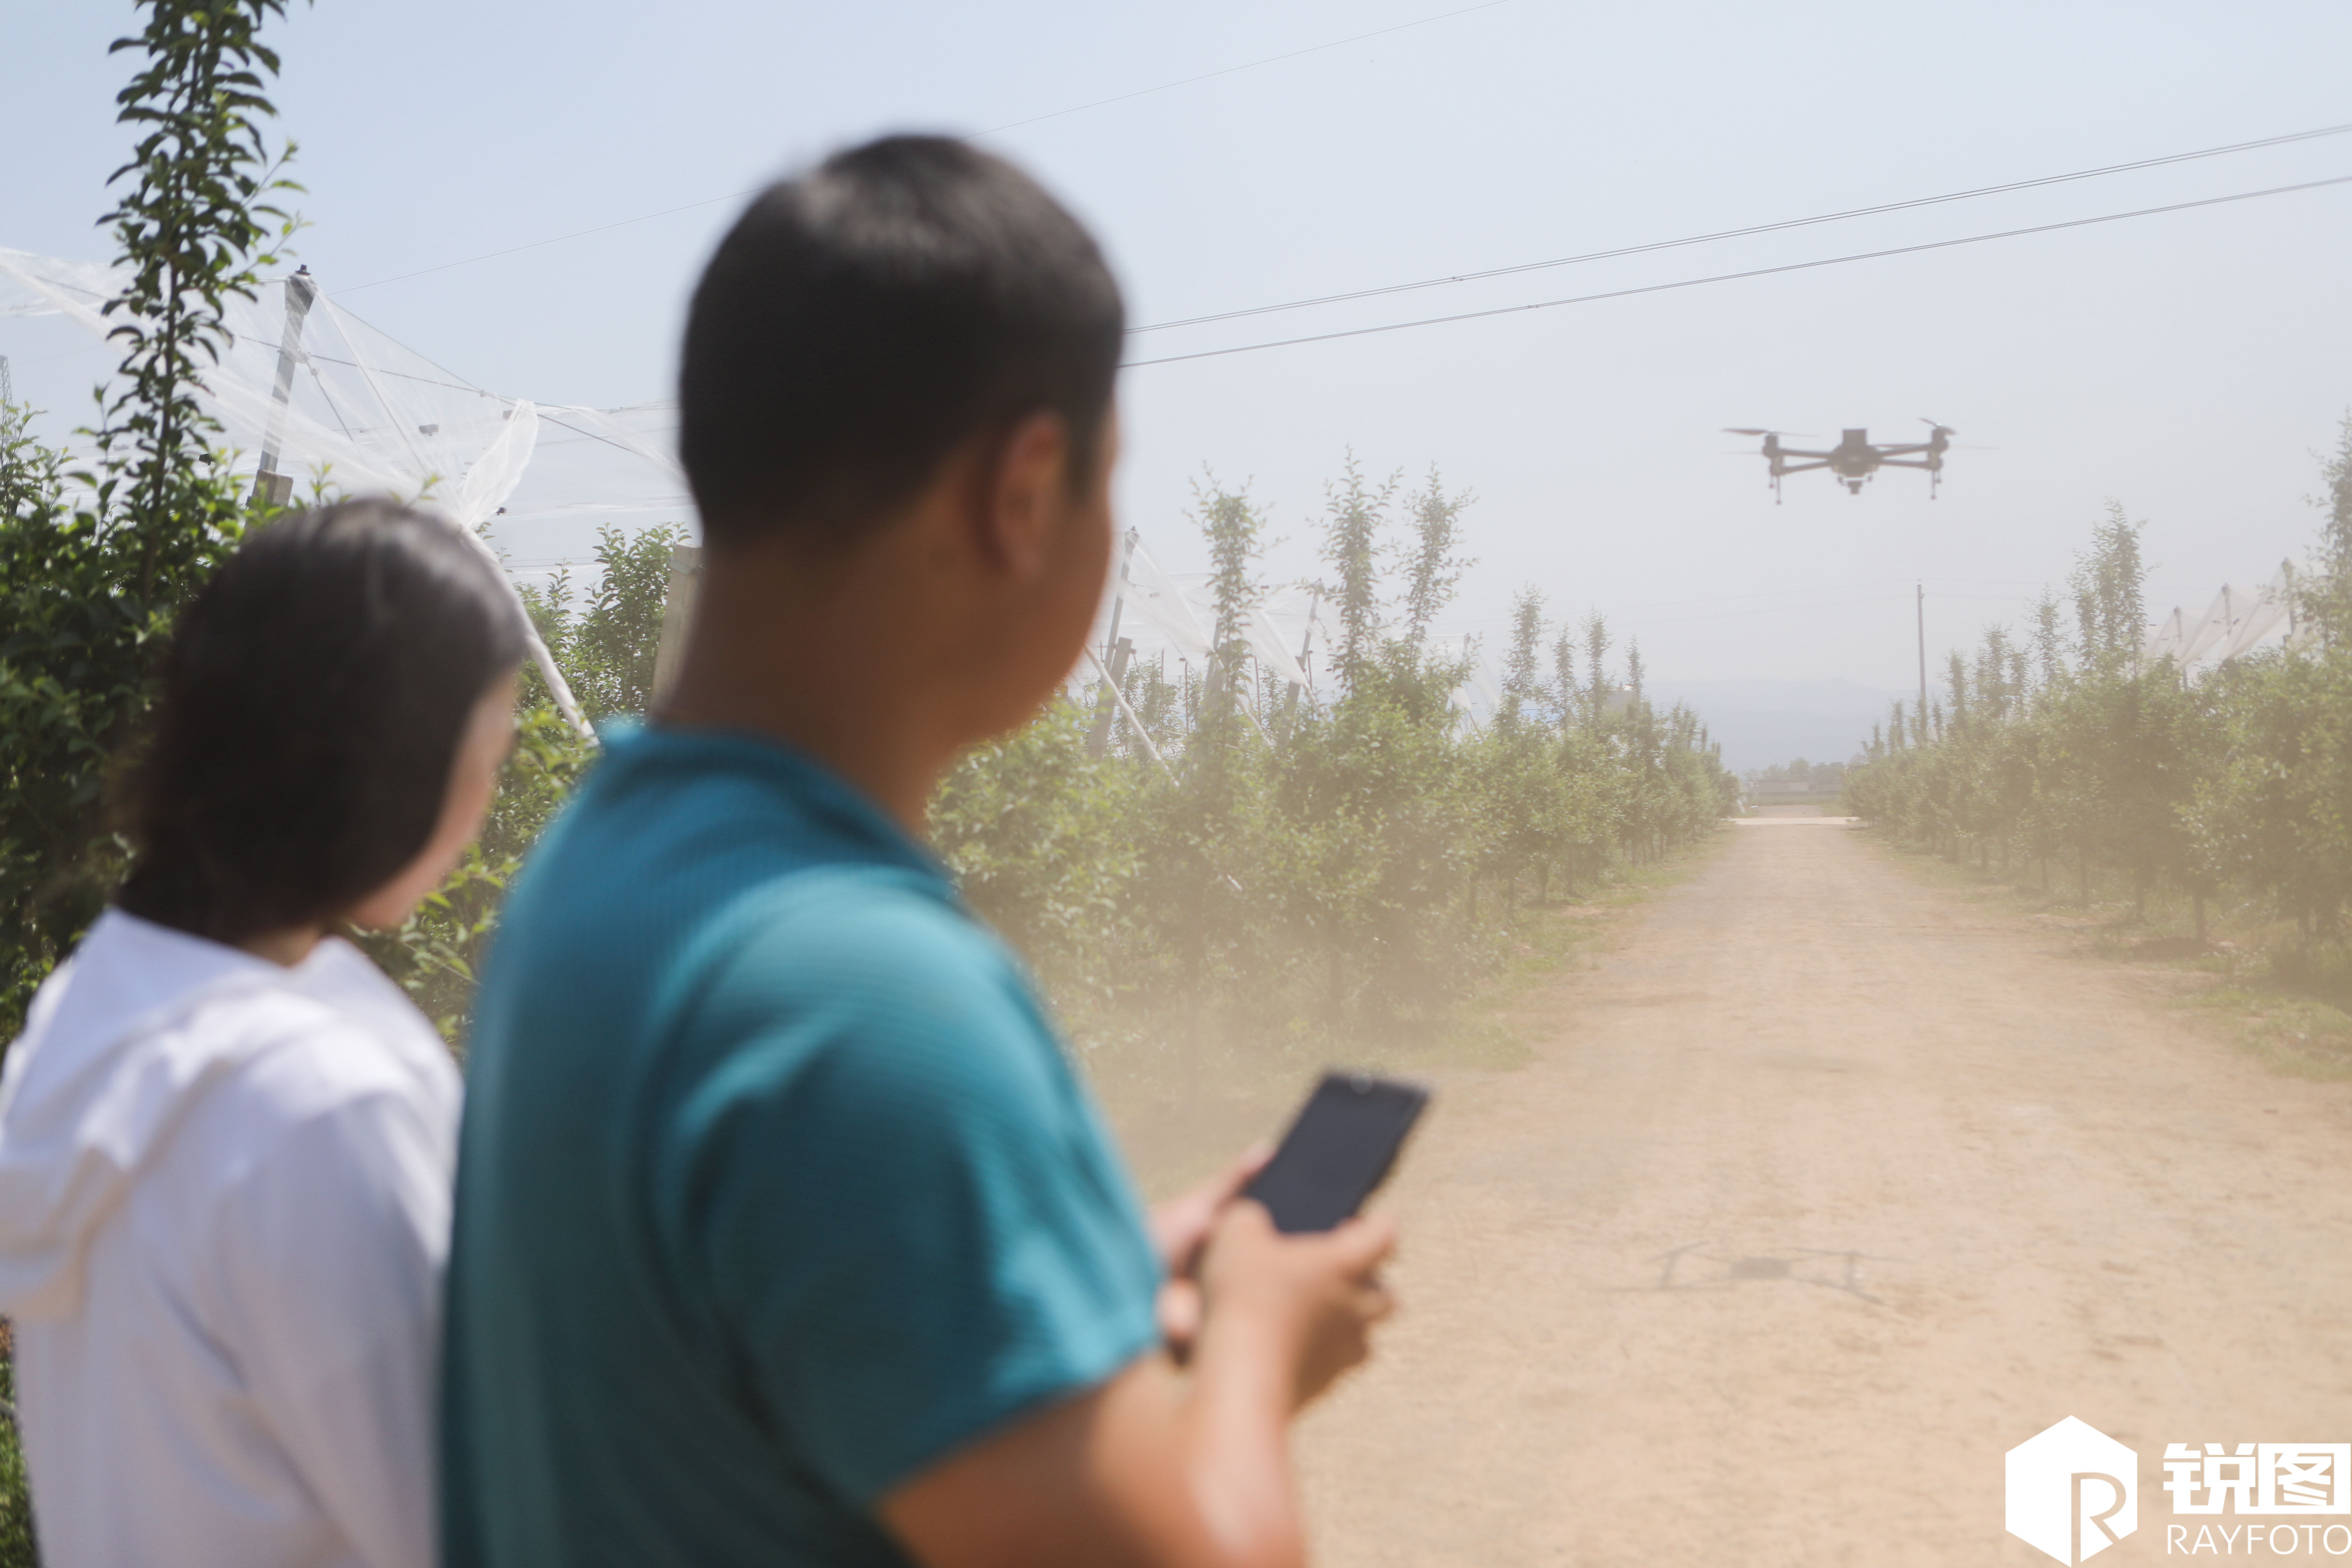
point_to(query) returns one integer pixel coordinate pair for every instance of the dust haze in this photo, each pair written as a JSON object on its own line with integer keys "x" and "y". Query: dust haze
{"x": 1880, "y": 951}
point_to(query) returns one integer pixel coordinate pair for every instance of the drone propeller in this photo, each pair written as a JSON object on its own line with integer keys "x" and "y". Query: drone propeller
{"x": 1937, "y": 425}
{"x": 1801, "y": 435}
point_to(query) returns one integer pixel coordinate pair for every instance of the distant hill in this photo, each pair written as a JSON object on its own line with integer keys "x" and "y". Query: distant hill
{"x": 1761, "y": 723}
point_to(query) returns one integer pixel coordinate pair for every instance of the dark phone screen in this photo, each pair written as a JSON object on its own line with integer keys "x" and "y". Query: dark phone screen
{"x": 1340, "y": 1148}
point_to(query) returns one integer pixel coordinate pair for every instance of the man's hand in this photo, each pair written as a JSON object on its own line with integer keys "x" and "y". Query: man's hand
{"x": 1179, "y": 1230}
{"x": 1314, "y": 1298}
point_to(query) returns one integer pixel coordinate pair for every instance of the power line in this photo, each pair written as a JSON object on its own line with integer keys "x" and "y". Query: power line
{"x": 1898, "y": 594}
{"x": 1734, "y": 276}
{"x": 1886, "y": 582}
{"x": 1753, "y": 229}
{"x": 992, "y": 131}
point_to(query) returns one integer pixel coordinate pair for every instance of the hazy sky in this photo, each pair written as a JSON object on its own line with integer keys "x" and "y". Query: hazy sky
{"x": 2187, "y": 365}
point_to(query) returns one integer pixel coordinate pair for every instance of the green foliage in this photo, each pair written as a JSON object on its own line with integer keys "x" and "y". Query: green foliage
{"x": 1033, "y": 825}
{"x": 1435, "y": 564}
{"x": 436, "y": 956}
{"x": 1356, "y": 513}
{"x": 191, "y": 225}
{"x": 1820, "y": 778}
{"x": 606, "y": 651}
{"x": 2327, "y": 598}
{"x": 2270, "y": 811}
{"x": 1293, "y": 871}
{"x": 17, "y": 1546}
{"x": 2110, "y": 599}
{"x": 2237, "y": 777}
{"x": 93, "y": 566}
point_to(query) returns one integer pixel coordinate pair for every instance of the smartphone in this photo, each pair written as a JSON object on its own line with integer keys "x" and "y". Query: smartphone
{"x": 1337, "y": 1152}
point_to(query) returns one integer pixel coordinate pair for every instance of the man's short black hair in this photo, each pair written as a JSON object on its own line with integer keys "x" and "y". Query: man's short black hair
{"x": 861, "y": 320}
{"x": 314, "y": 695}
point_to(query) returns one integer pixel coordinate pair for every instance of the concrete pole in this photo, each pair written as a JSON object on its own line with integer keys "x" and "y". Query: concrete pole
{"x": 1923, "y": 654}
{"x": 269, "y": 484}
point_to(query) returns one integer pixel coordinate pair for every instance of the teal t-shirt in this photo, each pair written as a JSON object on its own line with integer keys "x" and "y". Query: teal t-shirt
{"x": 775, "y": 1187}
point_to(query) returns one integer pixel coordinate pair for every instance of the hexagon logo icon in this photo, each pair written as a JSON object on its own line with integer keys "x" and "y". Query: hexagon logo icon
{"x": 2073, "y": 1492}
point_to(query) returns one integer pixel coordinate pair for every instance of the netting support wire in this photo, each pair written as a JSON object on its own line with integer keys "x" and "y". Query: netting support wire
{"x": 557, "y": 687}
{"x": 1134, "y": 721}
{"x": 392, "y": 414}
{"x": 1306, "y": 649}
{"x": 1119, "y": 594}
{"x": 1099, "y": 739}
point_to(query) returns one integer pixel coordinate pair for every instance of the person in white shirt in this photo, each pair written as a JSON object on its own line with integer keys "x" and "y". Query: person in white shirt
{"x": 227, "y": 1141}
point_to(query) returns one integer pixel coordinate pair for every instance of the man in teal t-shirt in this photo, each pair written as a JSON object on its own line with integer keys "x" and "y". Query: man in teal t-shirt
{"x": 785, "y": 1234}
{"x": 801, "y": 1101}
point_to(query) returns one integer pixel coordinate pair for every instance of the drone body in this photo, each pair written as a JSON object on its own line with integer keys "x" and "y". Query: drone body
{"x": 1856, "y": 457}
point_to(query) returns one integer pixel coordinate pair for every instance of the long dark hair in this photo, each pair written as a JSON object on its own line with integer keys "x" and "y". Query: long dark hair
{"x": 313, "y": 697}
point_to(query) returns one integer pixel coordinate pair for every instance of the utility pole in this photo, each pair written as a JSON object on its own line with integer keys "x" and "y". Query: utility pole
{"x": 1923, "y": 657}
{"x": 269, "y": 484}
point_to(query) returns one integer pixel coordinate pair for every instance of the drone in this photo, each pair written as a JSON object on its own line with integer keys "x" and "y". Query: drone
{"x": 1855, "y": 456}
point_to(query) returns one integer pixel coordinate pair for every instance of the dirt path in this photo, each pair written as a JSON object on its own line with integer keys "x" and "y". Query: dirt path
{"x": 1830, "y": 1189}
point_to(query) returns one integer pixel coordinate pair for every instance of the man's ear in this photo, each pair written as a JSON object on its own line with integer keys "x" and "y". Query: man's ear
{"x": 1025, "y": 495}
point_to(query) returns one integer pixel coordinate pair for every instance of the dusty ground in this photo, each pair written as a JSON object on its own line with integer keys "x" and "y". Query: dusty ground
{"x": 1829, "y": 1188}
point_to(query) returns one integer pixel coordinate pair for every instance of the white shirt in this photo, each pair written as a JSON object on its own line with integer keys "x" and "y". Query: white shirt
{"x": 224, "y": 1216}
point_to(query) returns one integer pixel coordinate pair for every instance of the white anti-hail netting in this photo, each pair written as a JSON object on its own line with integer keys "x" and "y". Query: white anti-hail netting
{"x": 331, "y": 401}
{"x": 339, "y": 404}
{"x": 2239, "y": 622}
